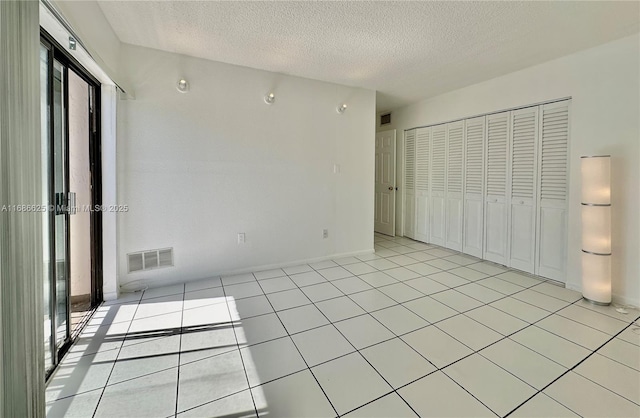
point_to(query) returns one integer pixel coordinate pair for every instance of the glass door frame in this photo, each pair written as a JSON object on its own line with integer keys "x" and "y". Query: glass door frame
{"x": 57, "y": 53}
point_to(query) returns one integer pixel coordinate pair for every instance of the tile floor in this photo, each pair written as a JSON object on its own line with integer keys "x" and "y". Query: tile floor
{"x": 412, "y": 330}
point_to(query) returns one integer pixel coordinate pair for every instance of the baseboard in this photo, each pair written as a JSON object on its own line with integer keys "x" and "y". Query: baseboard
{"x": 150, "y": 283}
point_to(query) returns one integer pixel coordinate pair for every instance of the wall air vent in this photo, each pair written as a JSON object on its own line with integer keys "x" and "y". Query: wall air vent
{"x": 385, "y": 119}
{"x": 150, "y": 259}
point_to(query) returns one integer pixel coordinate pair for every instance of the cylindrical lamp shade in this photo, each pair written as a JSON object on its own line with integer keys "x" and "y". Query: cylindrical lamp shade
{"x": 596, "y": 180}
{"x": 596, "y": 229}
{"x": 596, "y": 278}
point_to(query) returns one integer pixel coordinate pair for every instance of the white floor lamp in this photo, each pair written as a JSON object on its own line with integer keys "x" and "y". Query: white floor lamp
{"x": 596, "y": 229}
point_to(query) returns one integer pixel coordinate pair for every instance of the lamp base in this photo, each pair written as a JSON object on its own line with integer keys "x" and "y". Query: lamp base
{"x": 593, "y": 302}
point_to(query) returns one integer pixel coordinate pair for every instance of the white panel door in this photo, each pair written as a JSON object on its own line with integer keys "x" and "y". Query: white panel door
{"x": 473, "y": 186}
{"x": 423, "y": 153}
{"x": 409, "y": 183}
{"x": 455, "y": 175}
{"x": 385, "y": 195}
{"x": 522, "y": 198}
{"x": 496, "y": 173}
{"x": 553, "y": 190}
{"x": 438, "y": 187}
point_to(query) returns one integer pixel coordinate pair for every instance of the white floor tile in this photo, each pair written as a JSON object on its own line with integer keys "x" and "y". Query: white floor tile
{"x": 497, "y": 320}
{"x": 351, "y": 285}
{"x": 573, "y": 331}
{"x": 248, "y": 307}
{"x": 423, "y": 269}
{"x": 204, "y": 315}
{"x": 259, "y": 329}
{"x": 288, "y": 299}
{"x": 402, "y": 260}
{"x": 386, "y": 252}
{"x": 520, "y": 309}
{"x": 399, "y": 319}
{"x": 622, "y": 352}
{"x": 358, "y": 384}
{"x": 271, "y": 360}
{"x": 378, "y": 279}
{"x": 499, "y": 285}
{"x": 587, "y": 398}
{"x": 400, "y": 292}
{"x": 456, "y": 300}
{"x": 558, "y": 292}
{"x": 157, "y": 324}
{"x": 488, "y": 268}
{"x": 436, "y": 346}
{"x": 335, "y": 273}
{"x": 307, "y": 278}
{"x": 297, "y": 269}
{"x": 302, "y": 318}
{"x": 521, "y": 279}
{"x": 346, "y": 260}
{"x": 269, "y": 274}
{"x": 322, "y": 344}
{"x": 593, "y": 319}
{"x": 631, "y": 334}
{"x": 146, "y": 357}
{"x": 397, "y": 362}
{"x": 203, "y": 284}
{"x": 238, "y": 278}
{"x": 277, "y": 284}
{"x": 494, "y": 387}
{"x": 421, "y": 256}
{"x": 542, "y": 406}
{"x": 322, "y": 291}
{"x": 390, "y": 405}
{"x": 402, "y": 273}
{"x": 382, "y": 264}
{"x": 426, "y": 285}
{"x": 430, "y": 309}
{"x": 200, "y": 343}
{"x": 203, "y": 297}
{"x": 363, "y": 331}
{"x": 360, "y": 268}
{"x": 481, "y": 293}
{"x": 243, "y": 290}
{"x": 611, "y": 310}
{"x": 239, "y": 405}
{"x": 297, "y": 395}
{"x": 163, "y": 291}
{"x": 467, "y": 273}
{"x": 323, "y": 265}
{"x": 372, "y": 300}
{"x": 461, "y": 259}
{"x": 469, "y": 332}
{"x": 149, "y": 396}
{"x": 448, "y": 279}
{"x": 614, "y": 376}
{"x": 440, "y": 252}
{"x": 368, "y": 257}
{"x": 540, "y": 300}
{"x": 339, "y": 308}
{"x": 526, "y": 364}
{"x": 80, "y": 406}
{"x": 209, "y": 379}
{"x": 442, "y": 264}
{"x": 438, "y": 396}
{"x": 551, "y": 346}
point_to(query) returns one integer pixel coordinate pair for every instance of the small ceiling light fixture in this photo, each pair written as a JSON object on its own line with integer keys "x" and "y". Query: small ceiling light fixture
{"x": 72, "y": 43}
{"x": 270, "y": 98}
{"x": 183, "y": 86}
{"x": 342, "y": 108}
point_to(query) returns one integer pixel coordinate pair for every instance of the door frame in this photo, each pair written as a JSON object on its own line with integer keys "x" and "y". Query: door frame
{"x": 58, "y": 53}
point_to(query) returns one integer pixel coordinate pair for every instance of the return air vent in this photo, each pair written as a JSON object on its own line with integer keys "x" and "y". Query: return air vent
{"x": 151, "y": 259}
{"x": 385, "y": 119}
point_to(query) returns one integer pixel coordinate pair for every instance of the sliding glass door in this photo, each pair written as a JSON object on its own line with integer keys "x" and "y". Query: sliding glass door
{"x": 70, "y": 168}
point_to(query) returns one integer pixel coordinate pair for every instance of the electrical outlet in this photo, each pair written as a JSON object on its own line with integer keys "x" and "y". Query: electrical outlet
{"x": 241, "y": 238}
{"x": 325, "y": 233}
{"x": 336, "y": 169}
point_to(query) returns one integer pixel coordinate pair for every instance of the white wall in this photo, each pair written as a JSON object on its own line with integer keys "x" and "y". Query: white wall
{"x": 198, "y": 168}
{"x": 604, "y": 83}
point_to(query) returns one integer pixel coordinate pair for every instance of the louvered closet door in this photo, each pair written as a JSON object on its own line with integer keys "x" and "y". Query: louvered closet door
{"x": 422, "y": 183}
{"x": 409, "y": 183}
{"x": 553, "y": 190}
{"x": 473, "y": 186}
{"x": 523, "y": 167}
{"x": 495, "y": 209}
{"x": 438, "y": 182}
{"x": 455, "y": 175}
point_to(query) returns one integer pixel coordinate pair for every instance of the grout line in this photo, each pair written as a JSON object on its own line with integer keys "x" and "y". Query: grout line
{"x": 179, "y": 352}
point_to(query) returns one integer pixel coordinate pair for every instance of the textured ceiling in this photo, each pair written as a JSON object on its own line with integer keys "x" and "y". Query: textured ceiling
{"x": 407, "y": 51}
